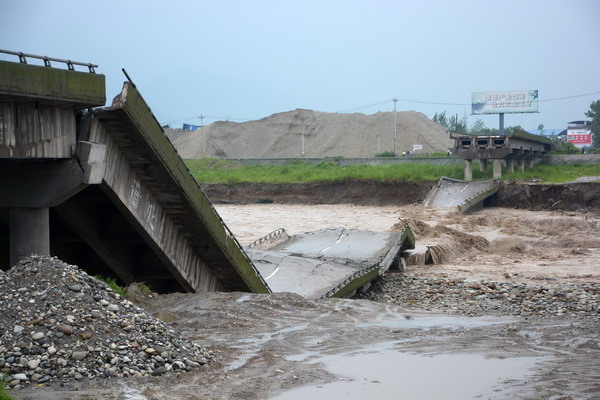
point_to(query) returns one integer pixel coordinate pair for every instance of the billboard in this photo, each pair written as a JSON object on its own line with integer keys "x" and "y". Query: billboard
{"x": 579, "y": 137}
{"x": 515, "y": 101}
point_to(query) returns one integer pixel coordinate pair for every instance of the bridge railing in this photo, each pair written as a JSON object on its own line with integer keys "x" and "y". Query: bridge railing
{"x": 70, "y": 64}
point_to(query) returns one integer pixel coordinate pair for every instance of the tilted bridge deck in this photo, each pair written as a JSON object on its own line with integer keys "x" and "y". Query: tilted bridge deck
{"x": 105, "y": 189}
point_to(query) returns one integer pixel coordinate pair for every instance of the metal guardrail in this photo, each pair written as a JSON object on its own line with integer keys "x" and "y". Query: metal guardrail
{"x": 70, "y": 64}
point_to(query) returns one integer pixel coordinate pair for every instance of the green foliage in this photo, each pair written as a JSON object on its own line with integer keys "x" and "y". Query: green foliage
{"x": 3, "y": 391}
{"x": 144, "y": 289}
{"x": 321, "y": 172}
{"x": 385, "y": 154}
{"x": 441, "y": 119}
{"x": 478, "y": 127}
{"x": 437, "y": 154}
{"x": 555, "y": 173}
{"x": 453, "y": 124}
{"x": 408, "y": 171}
{"x": 594, "y": 114}
{"x": 112, "y": 283}
{"x": 566, "y": 148}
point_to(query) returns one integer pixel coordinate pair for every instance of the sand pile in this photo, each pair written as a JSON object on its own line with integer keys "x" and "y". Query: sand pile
{"x": 325, "y": 135}
{"x": 60, "y": 324}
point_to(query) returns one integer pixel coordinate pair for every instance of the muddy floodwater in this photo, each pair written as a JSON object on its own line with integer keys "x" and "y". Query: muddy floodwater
{"x": 384, "y": 372}
{"x": 525, "y": 324}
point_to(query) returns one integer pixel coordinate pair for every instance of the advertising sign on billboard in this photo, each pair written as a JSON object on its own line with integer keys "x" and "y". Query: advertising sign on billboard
{"x": 579, "y": 137}
{"x": 516, "y": 101}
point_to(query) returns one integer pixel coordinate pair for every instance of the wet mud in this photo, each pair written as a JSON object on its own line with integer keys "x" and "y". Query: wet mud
{"x": 495, "y": 319}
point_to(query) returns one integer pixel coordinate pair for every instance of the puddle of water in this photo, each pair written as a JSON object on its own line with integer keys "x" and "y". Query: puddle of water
{"x": 130, "y": 393}
{"x": 166, "y": 316}
{"x": 243, "y": 299}
{"x": 396, "y": 321}
{"x": 381, "y": 373}
{"x": 253, "y": 343}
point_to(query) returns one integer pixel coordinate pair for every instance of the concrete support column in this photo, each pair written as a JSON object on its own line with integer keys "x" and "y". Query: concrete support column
{"x": 29, "y": 233}
{"x": 530, "y": 162}
{"x": 468, "y": 170}
{"x": 483, "y": 164}
{"x": 510, "y": 165}
{"x": 497, "y": 165}
{"x": 521, "y": 164}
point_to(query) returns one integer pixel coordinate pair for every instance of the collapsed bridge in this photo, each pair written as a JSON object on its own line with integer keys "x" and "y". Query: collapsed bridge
{"x": 103, "y": 188}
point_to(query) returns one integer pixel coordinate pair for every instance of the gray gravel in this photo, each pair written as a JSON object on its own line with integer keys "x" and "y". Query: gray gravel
{"x": 60, "y": 324}
{"x": 458, "y": 296}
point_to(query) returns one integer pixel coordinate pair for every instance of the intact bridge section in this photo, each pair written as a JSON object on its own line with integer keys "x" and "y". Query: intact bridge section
{"x": 519, "y": 149}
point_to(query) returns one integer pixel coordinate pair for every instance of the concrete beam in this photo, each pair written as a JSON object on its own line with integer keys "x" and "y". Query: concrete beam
{"x": 38, "y": 183}
{"x": 26, "y": 83}
{"x": 29, "y": 233}
{"x": 88, "y": 226}
{"x": 36, "y": 131}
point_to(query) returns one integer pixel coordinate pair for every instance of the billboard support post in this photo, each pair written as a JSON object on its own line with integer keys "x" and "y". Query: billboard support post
{"x": 501, "y": 123}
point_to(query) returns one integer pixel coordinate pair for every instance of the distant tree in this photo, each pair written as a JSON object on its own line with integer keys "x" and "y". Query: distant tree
{"x": 566, "y": 148}
{"x": 511, "y": 129}
{"x": 457, "y": 125}
{"x": 541, "y": 127}
{"x": 478, "y": 127}
{"x": 594, "y": 114}
{"x": 441, "y": 119}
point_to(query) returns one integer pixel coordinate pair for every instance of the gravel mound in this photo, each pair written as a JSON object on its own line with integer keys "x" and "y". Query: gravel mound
{"x": 60, "y": 324}
{"x": 476, "y": 298}
{"x": 325, "y": 135}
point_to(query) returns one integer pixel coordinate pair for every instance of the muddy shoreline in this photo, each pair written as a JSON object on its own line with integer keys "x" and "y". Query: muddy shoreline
{"x": 511, "y": 304}
{"x": 531, "y": 196}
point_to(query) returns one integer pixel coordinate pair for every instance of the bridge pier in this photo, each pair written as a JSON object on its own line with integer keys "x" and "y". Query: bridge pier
{"x": 510, "y": 165}
{"x": 519, "y": 147}
{"x": 497, "y": 165}
{"x": 483, "y": 164}
{"x": 29, "y": 233}
{"x": 468, "y": 170}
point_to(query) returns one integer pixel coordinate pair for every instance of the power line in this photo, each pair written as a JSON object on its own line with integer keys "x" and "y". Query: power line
{"x": 570, "y": 97}
{"x": 367, "y": 106}
{"x": 220, "y": 118}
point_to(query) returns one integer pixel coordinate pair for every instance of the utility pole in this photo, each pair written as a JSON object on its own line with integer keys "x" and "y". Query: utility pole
{"x": 203, "y": 138}
{"x": 395, "y": 100}
{"x": 302, "y": 137}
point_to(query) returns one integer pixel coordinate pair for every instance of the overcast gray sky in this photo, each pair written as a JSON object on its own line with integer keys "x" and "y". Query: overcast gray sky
{"x": 248, "y": 59}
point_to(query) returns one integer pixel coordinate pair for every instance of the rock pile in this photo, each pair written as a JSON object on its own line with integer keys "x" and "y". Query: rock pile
{"x": 59, "y": 324}
{"x": 460, "y": 296}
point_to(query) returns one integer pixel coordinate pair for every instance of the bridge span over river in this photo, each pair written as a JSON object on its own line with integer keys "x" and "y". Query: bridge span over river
{"x": 103, "y": 188}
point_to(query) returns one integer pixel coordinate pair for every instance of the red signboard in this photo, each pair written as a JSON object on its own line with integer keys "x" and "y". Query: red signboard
{"x": 579, "y": 138}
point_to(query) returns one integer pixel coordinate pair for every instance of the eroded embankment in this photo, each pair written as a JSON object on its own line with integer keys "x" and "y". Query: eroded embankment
{"x": 572, "y": 196}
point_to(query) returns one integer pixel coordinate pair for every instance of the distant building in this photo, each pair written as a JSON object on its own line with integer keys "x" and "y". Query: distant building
{"x": 190, "y": 127}
{"x": 579, "y": 133}
{"x": 547, "y": 132}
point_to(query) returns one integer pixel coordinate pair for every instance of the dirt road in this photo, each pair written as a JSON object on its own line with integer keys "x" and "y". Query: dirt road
{"x": 282, "y": 346}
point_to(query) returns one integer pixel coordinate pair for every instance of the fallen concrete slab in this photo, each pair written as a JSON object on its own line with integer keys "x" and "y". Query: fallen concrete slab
{"x": 329, "y": 262}
{"x": 465, "y": 196}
